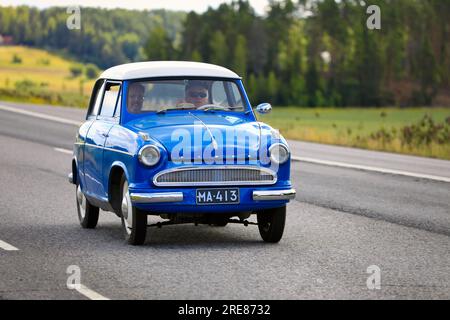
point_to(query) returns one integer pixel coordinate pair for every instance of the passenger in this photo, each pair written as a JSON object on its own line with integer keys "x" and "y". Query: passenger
{"x": 135, "y": 98}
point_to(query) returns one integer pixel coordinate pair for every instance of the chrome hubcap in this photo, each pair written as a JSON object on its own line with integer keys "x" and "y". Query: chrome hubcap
{"x": 266, "y": 227}
{"x": 127, "y": 210}
{"x": 81, "y": 199}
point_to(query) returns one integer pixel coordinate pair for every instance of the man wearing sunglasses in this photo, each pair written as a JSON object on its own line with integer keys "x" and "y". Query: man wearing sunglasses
{"x": 196, "y": 92}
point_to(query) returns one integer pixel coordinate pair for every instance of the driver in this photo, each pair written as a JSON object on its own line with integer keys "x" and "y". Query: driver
{"x": 196, "y": 92}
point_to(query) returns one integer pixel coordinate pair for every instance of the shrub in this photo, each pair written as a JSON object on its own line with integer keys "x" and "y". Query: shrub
{"x": 45, "y": 62}
{"x": 16, "y": 59}
{"x": 382, "y": 136}
{"x": 25, "y": 85}
{"x": 76, "y": 71}
{"x": 91, "y": 71}
{"x": 425, "y": 132}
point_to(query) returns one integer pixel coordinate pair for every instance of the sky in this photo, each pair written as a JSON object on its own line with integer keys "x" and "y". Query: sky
{"x": 185, "y": 5}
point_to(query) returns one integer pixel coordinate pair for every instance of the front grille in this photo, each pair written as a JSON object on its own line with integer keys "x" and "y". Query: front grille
{"x": 215, "y": 176}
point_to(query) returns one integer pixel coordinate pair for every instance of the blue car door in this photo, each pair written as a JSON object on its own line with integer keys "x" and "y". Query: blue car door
{"x": 96, "y": 139}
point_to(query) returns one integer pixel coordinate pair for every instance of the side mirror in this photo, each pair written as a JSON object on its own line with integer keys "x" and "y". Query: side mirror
{"x": 264, "y": 108}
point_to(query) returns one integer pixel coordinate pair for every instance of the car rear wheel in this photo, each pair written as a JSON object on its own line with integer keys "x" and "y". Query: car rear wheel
{"x": 271, "y": 224}
{"x": 134, "y": 221}
{"x": 87, "y": 213}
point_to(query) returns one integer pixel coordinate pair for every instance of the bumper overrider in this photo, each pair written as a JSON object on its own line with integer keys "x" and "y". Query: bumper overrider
{"x": 258, "y": 195}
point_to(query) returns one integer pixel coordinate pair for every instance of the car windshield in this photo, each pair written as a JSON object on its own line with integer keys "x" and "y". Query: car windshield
{"x": 184, "y": 94}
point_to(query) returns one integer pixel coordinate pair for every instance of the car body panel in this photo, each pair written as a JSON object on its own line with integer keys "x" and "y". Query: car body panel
{"x": 166, "y": 127}
{"x": 157, "y": 69}
{"x": 93, "y": 161}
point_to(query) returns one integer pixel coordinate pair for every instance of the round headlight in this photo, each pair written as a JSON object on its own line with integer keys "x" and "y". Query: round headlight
{"x": 149, "y": 155}
{"x": 279, "y": 153}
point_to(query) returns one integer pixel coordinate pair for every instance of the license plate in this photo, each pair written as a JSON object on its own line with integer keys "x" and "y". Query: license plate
{"x": 217, "y": 196}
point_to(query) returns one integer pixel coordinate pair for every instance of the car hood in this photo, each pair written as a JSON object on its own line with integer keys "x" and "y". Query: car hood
{"x": 233, "y": 136}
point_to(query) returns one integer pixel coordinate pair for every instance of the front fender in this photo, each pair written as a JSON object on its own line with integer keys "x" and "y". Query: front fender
{"x": 121, "y": 165}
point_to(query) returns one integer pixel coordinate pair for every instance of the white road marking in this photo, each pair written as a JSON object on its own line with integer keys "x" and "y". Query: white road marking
{"x": 7, "y": 246}
{"x": 67, "y": 151}
{"x": 295, "y": 158}
{"x": 368, "y": 168}
{"x": 40, "y": 115}
{"x": 88, "y": 293}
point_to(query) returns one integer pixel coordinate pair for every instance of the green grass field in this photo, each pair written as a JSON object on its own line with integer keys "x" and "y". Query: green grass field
{"x": 358, "y": 127}
{"x": 33, "y": 75}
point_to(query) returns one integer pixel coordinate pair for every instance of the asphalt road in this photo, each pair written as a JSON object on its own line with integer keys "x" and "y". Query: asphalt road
{"x": 342, "y": 221}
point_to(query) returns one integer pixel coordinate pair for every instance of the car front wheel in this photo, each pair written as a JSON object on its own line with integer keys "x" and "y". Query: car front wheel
{"x": 87, "y": 213}
{"x": 271, "y": 224}
{"x": 134, "y": 221}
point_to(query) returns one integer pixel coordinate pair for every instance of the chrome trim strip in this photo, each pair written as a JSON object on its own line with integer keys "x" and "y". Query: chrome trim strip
{"x": 109, "y": 149}
{"x": 119, "y": 151}
{"x": 156, "y": 197}
{"x": 93, "y": 145}
{"x": 274, "y": 194}
{"x": 214, "y": 183}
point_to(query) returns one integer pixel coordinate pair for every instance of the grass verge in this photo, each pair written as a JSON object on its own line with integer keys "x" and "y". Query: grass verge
{"x": 414, "y": 131}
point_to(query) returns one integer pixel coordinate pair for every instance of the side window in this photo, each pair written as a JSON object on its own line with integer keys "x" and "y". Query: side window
{"x": 112, "y": 92}
{"x": 218, "y": 94}
{"x": 96, "y": 98}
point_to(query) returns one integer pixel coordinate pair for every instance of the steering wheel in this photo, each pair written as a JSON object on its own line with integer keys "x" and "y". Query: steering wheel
{"x": 185, "y": 105}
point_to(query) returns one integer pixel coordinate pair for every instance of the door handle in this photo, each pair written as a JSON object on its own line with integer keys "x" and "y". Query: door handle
{"x": 105, "y": 134}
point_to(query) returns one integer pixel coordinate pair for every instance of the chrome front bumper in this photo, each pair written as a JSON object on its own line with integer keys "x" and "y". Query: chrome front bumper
{"x": 157, "y": 197}
{"x": 267, "y": 195}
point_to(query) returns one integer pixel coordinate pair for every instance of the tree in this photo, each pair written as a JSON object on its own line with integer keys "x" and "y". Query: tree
{"x": 369, "y": 69}
{"x": 196, "y": 56}
{"x": 129, "y": 45}
{"x": 252, "y": 89}
{"x": 159, "y": 46}
{"x": 240, "y": 56}
{"x": 405, "y": 62}
{"x": 272, "y": 87}
{"x": 218, "y": 48}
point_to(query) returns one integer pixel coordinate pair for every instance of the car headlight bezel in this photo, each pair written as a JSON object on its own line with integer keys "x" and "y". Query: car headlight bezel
{"x": 272, "y": 153}
{"x": 143, "y": 155}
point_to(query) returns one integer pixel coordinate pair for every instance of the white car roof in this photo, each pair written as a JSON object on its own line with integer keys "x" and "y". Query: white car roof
{"x": 151, "y": 69}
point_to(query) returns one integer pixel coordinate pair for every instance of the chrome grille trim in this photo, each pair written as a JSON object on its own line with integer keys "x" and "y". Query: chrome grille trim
{"x": 215, "y": 176}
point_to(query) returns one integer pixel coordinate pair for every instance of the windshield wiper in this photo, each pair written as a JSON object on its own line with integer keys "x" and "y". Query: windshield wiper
{"x": 168, "y": 109}
{"x": 218, "y": 107}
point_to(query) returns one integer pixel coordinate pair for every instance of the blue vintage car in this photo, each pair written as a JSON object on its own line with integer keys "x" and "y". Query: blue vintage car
{"x": 179, "y": 140}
